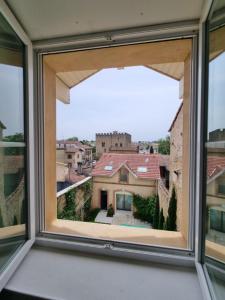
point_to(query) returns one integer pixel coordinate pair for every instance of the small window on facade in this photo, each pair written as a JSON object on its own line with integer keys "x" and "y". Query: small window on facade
{"x": 103, "y": 144}
{"x": 69, "y": 156}
{"x": 121, "y": 145}
{"x": 124, "y": 175}
{"x": 108, "y": 168}
{"x": 221, "y": 189}
{"x": 142, "y": 169}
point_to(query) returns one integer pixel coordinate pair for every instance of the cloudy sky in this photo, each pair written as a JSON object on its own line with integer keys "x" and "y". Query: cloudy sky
{"x": 216, "y": 110}
{"x": 136, "y": 100}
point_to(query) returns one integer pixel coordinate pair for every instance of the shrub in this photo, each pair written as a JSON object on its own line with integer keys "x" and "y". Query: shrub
{"x": 92, "y": 214}
{"x": 172, "y": 212}
{"x": 161, "y": 220}
{"x": 145, "y": 207}
{"x": 69, "y": 211}
{"x": 110, "y": 211}
{"x": 156, "y": 214}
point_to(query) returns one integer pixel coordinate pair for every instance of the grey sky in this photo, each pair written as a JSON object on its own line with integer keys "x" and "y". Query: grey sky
{"x": 137, "y": 100}
{"x": 216, "y": 93}
{"x": 11, "y": 99}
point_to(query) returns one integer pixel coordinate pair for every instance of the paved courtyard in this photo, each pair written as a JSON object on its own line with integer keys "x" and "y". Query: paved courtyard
{"x": 121, "y": 217}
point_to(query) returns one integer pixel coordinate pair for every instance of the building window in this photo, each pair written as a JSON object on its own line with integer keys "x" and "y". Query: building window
{"x": 221, "y": 188}
{"x": 116, "y": 144}
{"x": 13, "y": 143}
{"x": 124, "y": 201}
{"x": 121, "y": 145}
{"x": 103, "y": 144}
{"x": 124, "y": 173}
{"x": 69, "y": 156}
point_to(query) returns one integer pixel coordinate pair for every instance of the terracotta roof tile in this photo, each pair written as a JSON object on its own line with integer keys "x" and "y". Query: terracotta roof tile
{"x": 131, "y": 161}
{"x": 215, "y": 164}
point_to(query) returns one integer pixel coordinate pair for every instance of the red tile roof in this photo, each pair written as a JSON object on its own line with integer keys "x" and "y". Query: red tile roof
{"x": 215, "y": 164}
{"x": 74, "y": 177}
{"x": 131, "y": 161}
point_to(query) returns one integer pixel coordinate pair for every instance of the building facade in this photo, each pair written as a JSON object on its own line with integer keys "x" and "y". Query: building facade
{"x": 115, "y": 140}
{"x": 117, "y": 177}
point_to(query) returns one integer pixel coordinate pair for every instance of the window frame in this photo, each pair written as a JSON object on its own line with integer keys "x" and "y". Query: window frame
{"x": 21, "y": 252}
{"x": 87, "y": 42}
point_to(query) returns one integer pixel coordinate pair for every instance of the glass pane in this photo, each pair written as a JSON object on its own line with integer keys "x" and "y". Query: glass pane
{"x": 12, "y": 144}
{"x": 128, "y": 202}
{"x": 119, "y": 201}
{"x": 215, "y": 146}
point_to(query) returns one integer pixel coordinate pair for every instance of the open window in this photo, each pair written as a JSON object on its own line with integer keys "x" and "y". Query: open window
{"x": 158, "y": 189}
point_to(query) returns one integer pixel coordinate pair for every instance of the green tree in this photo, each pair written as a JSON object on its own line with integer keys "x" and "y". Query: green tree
{"x": 73, "y": 139}
{"x": 17, "y": 137}
{"x": 156, "y": 214}
{"x": 171, "y": 222}
{"x": 161, "y": 220}
{"x": 164, "y": 145}
{"x": 145, "y": 207}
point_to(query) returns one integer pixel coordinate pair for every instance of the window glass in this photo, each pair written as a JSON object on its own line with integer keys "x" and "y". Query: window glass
{"x": 13, "y": 213}
{"x": 215, "y": 150}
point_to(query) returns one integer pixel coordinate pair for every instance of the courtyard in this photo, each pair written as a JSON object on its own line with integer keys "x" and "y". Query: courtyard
{"x": 121, "y": 217}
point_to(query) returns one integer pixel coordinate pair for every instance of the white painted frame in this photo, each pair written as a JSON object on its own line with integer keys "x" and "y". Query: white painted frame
{"x": 24, "y": 249}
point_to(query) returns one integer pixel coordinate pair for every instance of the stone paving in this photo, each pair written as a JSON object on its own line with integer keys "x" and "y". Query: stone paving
{"x": 121, "y": 218}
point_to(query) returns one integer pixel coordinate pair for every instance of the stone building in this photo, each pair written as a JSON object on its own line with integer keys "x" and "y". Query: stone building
{"x": 217, "y": 135}
{"x": 115, "y": 140}
{"x": 176, "y": 159}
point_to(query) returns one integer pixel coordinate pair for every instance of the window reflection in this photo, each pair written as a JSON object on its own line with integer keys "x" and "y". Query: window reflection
{"x": 12, "y": 143}
{"x": 215, "y": 145}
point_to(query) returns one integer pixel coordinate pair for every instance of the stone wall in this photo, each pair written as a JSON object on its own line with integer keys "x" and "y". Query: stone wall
{"x": 115, "y": 139}
{"x": 176, "y": 161}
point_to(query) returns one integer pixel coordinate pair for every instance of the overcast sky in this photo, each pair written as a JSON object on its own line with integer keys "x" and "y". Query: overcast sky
{"x": 136, "y": 100}
{"x": 216, "y": 93}
{"x": 11, "y": 99}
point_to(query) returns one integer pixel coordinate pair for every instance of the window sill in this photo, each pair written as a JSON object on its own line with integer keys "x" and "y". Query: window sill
{"x": 215, "y": 250}
{"x": 12, "y": 231}
{"x": 119, "y": 233}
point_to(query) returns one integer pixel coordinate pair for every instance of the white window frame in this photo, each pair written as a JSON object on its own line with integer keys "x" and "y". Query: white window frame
{"x": 20, "y": 253}
{"x": 86, "y": 42}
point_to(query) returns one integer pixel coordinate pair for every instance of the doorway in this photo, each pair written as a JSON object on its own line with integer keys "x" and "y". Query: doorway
{"x": 104, "y": 200}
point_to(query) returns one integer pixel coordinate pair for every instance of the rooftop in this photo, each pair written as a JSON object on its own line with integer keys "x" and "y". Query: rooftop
{"x": 215, "y": 165}
{"x": 133, "y": 162}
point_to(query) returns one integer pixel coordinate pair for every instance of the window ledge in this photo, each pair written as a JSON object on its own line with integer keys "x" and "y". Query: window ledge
{"x": 119, "y": 233}
{"x": 215, "y": 250}
{"x": 12, "y": 231}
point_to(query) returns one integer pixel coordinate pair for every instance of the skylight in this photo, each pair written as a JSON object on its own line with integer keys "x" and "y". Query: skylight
{"x": 108, "y": 168}
{"x": 142, "y": 169}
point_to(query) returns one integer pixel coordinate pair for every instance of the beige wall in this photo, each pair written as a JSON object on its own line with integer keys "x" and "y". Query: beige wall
{"x": 213, "y": 198}
{"x": 50, "y": 144}
{"x": 61, "y": 172}
{"x": 111, "y": 185}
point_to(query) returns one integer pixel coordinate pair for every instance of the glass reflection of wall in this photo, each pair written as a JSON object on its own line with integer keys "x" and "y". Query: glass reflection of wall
{"x": 215, "y": 189}
{"x": 12, "y": 142}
